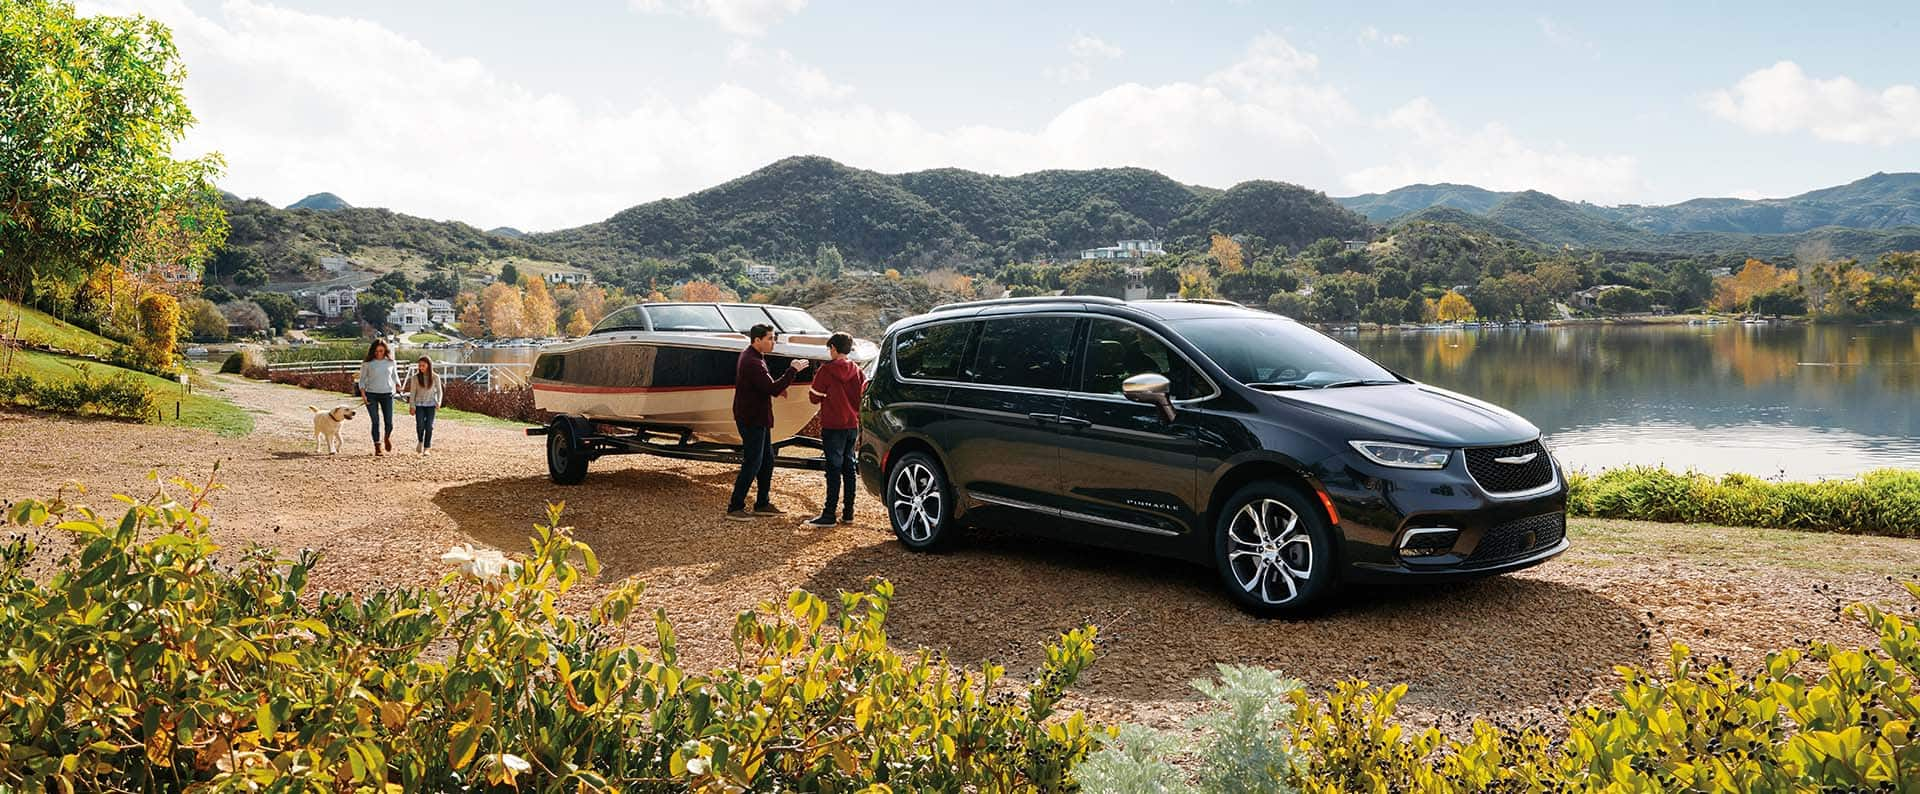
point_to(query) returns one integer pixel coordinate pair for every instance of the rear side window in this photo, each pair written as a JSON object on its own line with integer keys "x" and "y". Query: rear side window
{"x": 1117, "y": 351}
{"x": 1028, "y": 352}
{"x": 551, "y": 366}
{"x": 933, "y": 352}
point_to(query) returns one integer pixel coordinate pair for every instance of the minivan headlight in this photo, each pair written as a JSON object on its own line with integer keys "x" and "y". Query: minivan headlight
{"x": 1402, "y": 456}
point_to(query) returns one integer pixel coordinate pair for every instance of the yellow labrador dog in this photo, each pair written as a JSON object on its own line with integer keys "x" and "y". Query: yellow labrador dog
{"x": 326, "y": 428}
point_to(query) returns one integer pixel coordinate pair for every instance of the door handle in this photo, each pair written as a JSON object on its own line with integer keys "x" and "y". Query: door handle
{"x": 1044, "y": 418}
{"x": 1073, "y": 421}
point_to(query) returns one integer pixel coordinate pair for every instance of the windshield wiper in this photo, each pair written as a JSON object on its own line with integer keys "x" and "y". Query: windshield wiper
{"x": 1279, "y": 386}
{"x": 1341, "y": 384}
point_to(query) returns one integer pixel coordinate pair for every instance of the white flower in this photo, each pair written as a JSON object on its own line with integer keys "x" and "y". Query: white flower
{"x": 698, "y": 766}
{"x": 487, "y": 566}
{"x": 514, "y": 762}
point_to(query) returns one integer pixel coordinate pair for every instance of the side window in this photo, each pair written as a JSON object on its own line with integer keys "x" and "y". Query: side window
{"x": 550, "y": 367}
{"x": 933, "y": 352}
{"x": 1029, "y": 352}
{"x": 1117, "y": 351}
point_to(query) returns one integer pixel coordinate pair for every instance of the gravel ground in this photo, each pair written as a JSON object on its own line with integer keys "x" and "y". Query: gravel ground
{"x": 1515, "y": 649}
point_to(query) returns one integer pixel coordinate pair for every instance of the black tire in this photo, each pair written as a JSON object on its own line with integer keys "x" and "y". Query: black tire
{"x": 566, "y": 465}
{"x": 919, "y": 502}
{"x": 1274, "y": 572}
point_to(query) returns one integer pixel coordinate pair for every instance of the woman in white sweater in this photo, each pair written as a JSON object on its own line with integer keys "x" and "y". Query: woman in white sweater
{"x": 377, "y": 382}
{"x": 424, "y": 392}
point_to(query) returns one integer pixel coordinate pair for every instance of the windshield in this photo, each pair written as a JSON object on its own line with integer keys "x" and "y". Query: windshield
{"x": 687, "y": 317}
{"x": 795, "y": 321}
{"x": 1278, "y": 353}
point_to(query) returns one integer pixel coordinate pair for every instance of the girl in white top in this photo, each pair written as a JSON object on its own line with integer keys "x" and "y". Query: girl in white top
{"x": 376, "y": 384}
{"x": 424, "y": 392}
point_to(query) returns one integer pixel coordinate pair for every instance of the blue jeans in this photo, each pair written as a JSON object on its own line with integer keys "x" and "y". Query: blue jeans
{"x": 756, "y": 463}
{"x": 839, "y": 446}
{"x": 378, "y": 404}
{"x": 423, "y": 424}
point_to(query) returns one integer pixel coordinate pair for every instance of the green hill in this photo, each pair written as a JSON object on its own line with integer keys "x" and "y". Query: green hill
{"x": 320, "y": 201}
{"x": 1556, "y": 222}
{"x": 785, "y": 212}
{"x": 288, "y": 245}
{"x": 1414, "y": 198}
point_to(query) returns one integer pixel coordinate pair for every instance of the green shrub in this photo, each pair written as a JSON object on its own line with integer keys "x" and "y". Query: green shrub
{"x": 1239, "y": 748}
{"x": 143, "y": 663}
{"x": 235, "y": 362}
{"x": 120, "y": 396}
{"x": 1882, "y": 502}
{"x": 1818, "y": 718}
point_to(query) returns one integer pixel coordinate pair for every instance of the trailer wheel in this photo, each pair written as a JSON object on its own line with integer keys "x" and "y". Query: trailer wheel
{"x": 566, "y": 464}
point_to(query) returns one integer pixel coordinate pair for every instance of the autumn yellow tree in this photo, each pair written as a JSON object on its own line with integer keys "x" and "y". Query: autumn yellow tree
{"x": 702, "y": 292}
{"x": 1226, "y": 251}
{"x": 578, "y": 326}
{"x": 1195, "y": 283}
{"x": 1453, "y": 307}
{"x": 473, "y": 321}
{"x": 538, "y": 315}
{"x": 591, "y": 302}
{"x": 500, "y": 304}
{"x": 1732, "y": 293}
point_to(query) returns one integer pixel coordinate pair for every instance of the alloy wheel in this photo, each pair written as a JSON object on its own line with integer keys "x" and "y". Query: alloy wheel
{"x": 1269, "y": 551}
{"x": 916, "y": 501}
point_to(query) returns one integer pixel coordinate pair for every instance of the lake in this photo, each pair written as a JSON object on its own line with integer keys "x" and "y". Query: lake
{"x": 1790, "y": 401}
{"x": 1787, "y": 401}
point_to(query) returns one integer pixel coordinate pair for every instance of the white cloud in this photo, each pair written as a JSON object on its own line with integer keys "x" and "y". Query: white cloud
{"x": 1562, "y": 35}
{"x": 1435, "y": 150}
{"x": 1783, "y": 99}
{"x": 801, "y": 79}
{"x": 301, "y": 102}
{"x": 1085, "y": 46}
{"x": 1373, "y": 35}
{"x": 744, "y": 17}
{"x": 1084, "y": 50}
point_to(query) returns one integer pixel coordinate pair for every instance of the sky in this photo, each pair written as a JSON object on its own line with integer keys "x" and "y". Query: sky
{"x": 545, "y": 115}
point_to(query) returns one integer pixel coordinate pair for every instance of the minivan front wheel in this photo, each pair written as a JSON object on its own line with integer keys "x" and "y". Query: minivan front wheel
{"x": 1273, "y": 550}
{"x": 919, "y": 502}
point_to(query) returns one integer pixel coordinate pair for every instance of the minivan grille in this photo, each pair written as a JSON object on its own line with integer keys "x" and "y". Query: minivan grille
{"x": 1519, "y": 538}
{"x": 1496, "y": 476}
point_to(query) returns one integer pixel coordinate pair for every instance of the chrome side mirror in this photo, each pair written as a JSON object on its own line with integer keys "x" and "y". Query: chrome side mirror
{"x": 1151, "y": 388}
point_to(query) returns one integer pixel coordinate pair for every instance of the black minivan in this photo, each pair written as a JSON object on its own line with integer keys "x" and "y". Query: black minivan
{"x": 1204, "y": 431}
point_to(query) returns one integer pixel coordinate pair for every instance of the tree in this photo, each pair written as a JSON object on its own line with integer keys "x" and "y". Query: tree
{"x": 500, "y": 305}
{"x": 1625, "y": 300}
{"x": 1250, "y": 284}
{"x": 1453, "y": 307}
{"x": 246, "y": 315}
{"x": 395, "y": 286}
{"x": 280, "y": 309}
{"x": 1338, "y": 297}
{"x": 578, "y": 325}
{"x": 444, "y": 284}
{"x": 91, "y": 109}
{"x": 1385, "y": 311}
{"x": 1290, "y": 304}
{"x": 159, "y": 330}
{"x": 509, "y": 274}
{"x": 1096, "y": 277}
{"x": 1733, "y": 293}
{"x": 828, "y": 262}
{"x": 472, "y": 321}
{"x": 203, "y": 319}
{"x": 701, "y": 292}
{"x": 1776, "y": 301}
{"x": 1227, "y": 253}
{"x": 537, "y": 311}
{"x": 374, "y": 310}
{"x": 591, "y": 302}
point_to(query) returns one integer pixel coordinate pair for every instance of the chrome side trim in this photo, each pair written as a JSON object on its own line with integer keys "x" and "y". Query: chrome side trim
{"x": 1070, "y": 514}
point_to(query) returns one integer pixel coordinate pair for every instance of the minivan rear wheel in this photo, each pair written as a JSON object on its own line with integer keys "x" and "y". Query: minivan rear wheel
{"x": 1274, "y": 551}
{"x": 919, "y": 502}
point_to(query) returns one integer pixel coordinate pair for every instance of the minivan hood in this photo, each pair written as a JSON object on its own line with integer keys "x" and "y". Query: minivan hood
{"x": 1416, "y": 412}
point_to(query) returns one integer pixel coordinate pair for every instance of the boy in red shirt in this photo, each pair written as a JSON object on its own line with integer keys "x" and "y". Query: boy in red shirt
{"x": 836, "y": 389}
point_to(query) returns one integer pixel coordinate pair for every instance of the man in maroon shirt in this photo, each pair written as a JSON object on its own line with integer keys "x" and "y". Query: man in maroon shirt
{"x": 754, "y": 388}
{"x": 836, "y": 389}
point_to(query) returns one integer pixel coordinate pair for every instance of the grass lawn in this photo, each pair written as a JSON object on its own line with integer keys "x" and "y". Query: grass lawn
{"x": 426, "y": 338}
{"x": 198, "y": 409}
{"x": 42, "y": 328}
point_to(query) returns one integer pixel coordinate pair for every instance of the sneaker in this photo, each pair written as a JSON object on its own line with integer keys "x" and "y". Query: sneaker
{"x": 846, "y": 517}
{"x": 427, "y": 452}
{"x": 739, "y": 515}
{"x": 389, "y": 443}
{"x": 768, "y": 510}
{"x": 419, "y": 448}
{"x": 823, "y": 521}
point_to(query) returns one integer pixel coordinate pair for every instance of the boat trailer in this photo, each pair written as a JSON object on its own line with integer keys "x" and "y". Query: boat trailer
{"x": 575, "y": 441}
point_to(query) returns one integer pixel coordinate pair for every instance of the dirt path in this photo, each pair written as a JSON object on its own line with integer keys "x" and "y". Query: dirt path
{"x": 1517, "y": 648}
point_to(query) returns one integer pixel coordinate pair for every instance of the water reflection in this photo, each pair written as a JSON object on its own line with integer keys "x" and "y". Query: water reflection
{"x": 1794, "y": 401}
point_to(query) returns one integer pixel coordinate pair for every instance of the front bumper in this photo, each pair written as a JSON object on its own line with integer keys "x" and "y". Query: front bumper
{"x": 1439, "y": 524}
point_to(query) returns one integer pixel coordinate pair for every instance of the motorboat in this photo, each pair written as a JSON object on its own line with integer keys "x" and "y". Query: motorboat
{"x": 670, "y": 367}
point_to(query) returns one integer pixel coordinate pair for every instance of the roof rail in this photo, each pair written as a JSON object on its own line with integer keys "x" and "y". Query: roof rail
{"x": 1212, "y": 301}
{"x": 1034, "y": 299}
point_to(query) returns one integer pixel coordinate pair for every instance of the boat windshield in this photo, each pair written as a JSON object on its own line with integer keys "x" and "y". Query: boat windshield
{"x": 745, "y": 317}
{"x": 795, "y": 321}
{"x": 687, "y": 317}
{"x": 1280, "y": 354}
{"x": 631, "y": 318}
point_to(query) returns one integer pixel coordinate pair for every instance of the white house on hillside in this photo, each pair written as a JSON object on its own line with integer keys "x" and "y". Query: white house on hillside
{"x": 1125, "y": 249}
{"x": 763, "y": 274}
{"x": 439, "y": 312}
{"x": 336, "y": 302}
{"x": 408, "y": 316}
{"x": 569, "y": 277}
